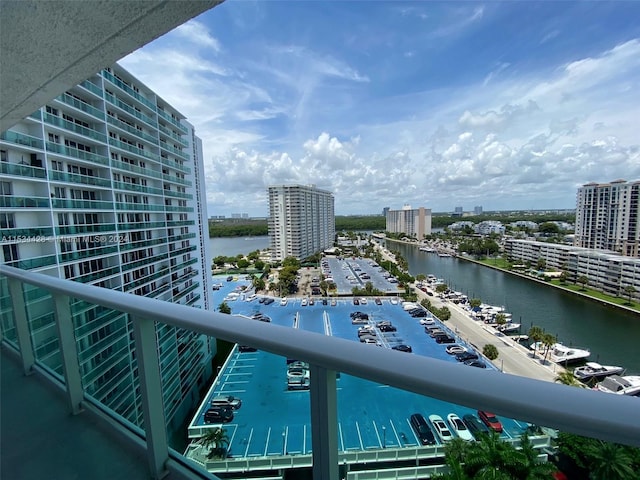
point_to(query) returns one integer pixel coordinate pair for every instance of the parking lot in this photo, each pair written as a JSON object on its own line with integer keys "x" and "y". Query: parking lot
{"x": 348, "y": 273}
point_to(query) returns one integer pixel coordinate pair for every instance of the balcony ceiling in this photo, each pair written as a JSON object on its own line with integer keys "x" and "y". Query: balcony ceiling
{"x": 48, "y": 46}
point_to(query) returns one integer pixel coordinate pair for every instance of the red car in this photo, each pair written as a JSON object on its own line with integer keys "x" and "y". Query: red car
{"x": 490, "y": 420}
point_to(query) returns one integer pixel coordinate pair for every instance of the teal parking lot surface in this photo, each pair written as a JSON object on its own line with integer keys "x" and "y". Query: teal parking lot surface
{"x": 274, "y": 420}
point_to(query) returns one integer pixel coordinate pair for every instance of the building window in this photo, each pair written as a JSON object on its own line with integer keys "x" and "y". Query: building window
{"x": 3, "y": 156}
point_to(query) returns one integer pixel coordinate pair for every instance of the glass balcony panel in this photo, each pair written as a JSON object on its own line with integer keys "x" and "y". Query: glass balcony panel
{"x": 22, "y": 139}
{"x": 82, "y": 204}
{"x": 126, "y": 88}
{"x": 75, "y": 153}
{"x": 81, "y": 179}
{"x": 22, "y": 170}
{"x": 91, "y": 228}
{"x": 29, "y": 263}
{"x": 134, "y": 168}
{"x": 129, "y": 109}
{"x": 92, "y": 87}
{"x": 133, "y": 130}
{"x": 141, "y": 225}
{"x": 172, "y": 121}
{"x": 73, "y": 127}
{"x": 173, "y": 136}
{"x": 173, "y": 150}
{"x": 175, "y": 165}
{"x": 131, "y": 149}
{"x": 24, "y": 202}
{"x": 80, "y": 105}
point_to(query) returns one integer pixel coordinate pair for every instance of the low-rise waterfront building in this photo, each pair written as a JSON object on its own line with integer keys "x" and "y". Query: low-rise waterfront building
{"x": 605, "y": 270}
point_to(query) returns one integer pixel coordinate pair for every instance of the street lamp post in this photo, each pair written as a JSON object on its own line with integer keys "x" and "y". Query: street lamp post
{"x": 384, "y": 437}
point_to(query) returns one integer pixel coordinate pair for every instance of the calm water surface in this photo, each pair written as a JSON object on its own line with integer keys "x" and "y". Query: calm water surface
{"x": 612, "y": 336}
{"x": 232, "y": 246}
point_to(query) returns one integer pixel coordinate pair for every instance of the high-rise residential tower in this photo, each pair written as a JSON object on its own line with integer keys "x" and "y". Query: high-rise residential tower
{"x": 301, "y": 220}
{"x": 413, "y": 222}
{"x": 607, "y": 217}
{"x": 105, "y": 185}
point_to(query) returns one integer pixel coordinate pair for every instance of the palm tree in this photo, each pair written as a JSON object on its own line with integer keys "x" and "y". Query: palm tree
{"x": 548, "y": 341}
{"x": 216, "y": 438}
{"x": 491, "y": 458}
{"x": 610, "y": 461}
{"x": 535, "y": 334}
{"x": 566, "y": 378}
{"x": 532, "y": 469}
{"x": 583, "y": 281}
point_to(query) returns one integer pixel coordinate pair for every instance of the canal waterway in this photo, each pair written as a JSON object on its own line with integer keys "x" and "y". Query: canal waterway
{"x": 232, "y": 246}
{"x": 612, "y": 335}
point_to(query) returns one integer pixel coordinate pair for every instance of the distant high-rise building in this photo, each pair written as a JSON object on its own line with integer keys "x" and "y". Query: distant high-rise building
{"x": 413, "y": 222}
{"x": 477, "y": 210}
{"x": 607, "y": 217}
{"x": 458, "y": 211}
{"x": 301, "y": 220}
{"x": 104, "y": 185}
{"x": 385, "y": 210}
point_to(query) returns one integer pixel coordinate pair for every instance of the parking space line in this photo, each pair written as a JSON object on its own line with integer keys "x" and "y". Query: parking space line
{"x": 375, "y": 427}
{"x": 266, "y": 443}
{"x": 395, "y": 432}
{"x": 359, "y": 436}
{"x": 246, "y": 451}
{"x": 341, "y": 438}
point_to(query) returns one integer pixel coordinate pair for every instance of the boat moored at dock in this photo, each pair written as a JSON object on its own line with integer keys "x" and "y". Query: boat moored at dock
{"x": 594, "y": 371}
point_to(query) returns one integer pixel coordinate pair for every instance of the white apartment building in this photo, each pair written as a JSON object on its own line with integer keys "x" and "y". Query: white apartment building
{"x": 412, "y": 222}
{"x": 301, "y": 221}
{"x": 605, "y": 270}
{"x": 105, "y": 185}
{"x": 607, "y": 217}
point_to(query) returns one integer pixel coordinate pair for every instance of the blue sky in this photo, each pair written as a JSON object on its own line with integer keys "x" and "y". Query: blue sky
{"x": 508, "y": 105}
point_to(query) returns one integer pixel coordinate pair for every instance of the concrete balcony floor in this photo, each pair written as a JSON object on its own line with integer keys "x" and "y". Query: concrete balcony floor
{"x": 41, "y": 439}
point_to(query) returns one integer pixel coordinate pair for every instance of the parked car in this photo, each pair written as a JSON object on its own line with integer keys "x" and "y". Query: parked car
{"x": 229, "y": 278}
{"x": 226, "y": 401}
{"x": 268, "y": 301}
{"x": 218, "y": 415}
{"x": 490, "y": 420}
{"x": 475, "y": 426}
{"x": 421, "y": 427}
{"x": 476, "y": 363}
{"x": 464, "y": 356}
{"x": 387, "y": 328}
{"x": 441, "y": 428}
{"x": 445, "y": 339}
{"x": 246, "y": 348}
{"x": 378, "y": 301}
{"x": 403, "y": 348}
{"x": 455, "y": 349}
{"x": 458, "y": 427}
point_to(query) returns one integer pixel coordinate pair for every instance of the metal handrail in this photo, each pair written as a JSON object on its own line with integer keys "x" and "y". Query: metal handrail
{"x": 581, "y": 411}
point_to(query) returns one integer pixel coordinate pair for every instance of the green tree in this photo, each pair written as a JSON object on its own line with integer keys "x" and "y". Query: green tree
{"x": 541, "y": 264}
{"x": 440, "y": 288}
{"x": 421, "y": 277}
{"x": 629, "y": 290}
{"x": 566, "y": 378}
{"x": 426, "y": 303}
{"x": 548, "y": 340}
{"x": 258, "y": 264}
{"x": 220, "y": 261}
{"x": 535, "y": 335}
{"x": 610, "y": 461}
{"x": 583, "y": 280}
{"x": 490, "y": 351}
{"x": 444, "y": 314}
{"x": 549, "y": 228}
{"x": 224, "y": 308}
{"x": 218, "y": 440}
{"x": 531, "y": 468}
{"x": 475, "y": 302}
{"x": 242, "y": 263}
{"x": 258, "y": 283}
{"x": 291, "y": 262}
{"x": 501, "y": 319}
{"x": 492, "y": 458}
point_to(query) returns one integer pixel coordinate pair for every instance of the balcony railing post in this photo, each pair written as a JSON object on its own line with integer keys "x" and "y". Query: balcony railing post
{"x": 22, "y": 325}
{"x": 68, "y": 352}
{"x": 151, "y": 392}
{"x": 324, "y": 423}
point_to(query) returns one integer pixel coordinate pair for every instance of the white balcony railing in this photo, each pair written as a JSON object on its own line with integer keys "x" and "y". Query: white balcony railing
{"x": 580, "y": 411}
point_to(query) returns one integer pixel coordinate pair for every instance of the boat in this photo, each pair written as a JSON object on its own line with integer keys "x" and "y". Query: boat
{"x": 628, "y": 385}
{"x": 593, "y": 370}
{"x": 562, "y": 354}
{"x": 508, "y": 327}
{"x": 427, "y": 249}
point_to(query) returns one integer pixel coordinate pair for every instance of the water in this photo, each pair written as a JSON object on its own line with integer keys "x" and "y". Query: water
{"x": 232, "y": 246}
{"x": 611, "y": 335}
